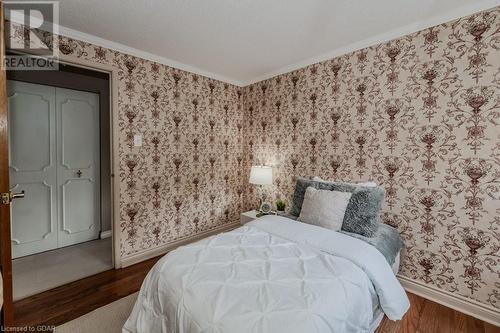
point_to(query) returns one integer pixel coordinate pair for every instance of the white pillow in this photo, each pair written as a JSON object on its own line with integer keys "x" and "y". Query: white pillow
{"x": 367, "y": 184}
{"x": 324, "y": 208}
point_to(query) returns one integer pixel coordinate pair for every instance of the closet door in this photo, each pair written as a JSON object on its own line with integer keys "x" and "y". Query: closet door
{"x": 78, "y": 165}
{"x": 32, "y": 167}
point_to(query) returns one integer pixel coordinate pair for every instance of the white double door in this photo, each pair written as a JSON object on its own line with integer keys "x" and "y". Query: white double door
{"x": 54, "y": 159}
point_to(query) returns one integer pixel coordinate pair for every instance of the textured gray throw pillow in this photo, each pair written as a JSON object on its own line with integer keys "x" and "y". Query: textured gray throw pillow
{"x": 362, "y": 214}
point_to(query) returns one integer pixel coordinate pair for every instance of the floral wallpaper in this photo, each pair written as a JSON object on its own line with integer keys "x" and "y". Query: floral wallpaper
{"x": 420, "y": 116}
{"x": 187, "y": 176}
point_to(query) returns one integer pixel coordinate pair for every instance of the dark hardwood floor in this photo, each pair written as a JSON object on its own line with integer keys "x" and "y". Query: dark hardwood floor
{"x": 426, "y": 316}
{"x": 70, "y": 301}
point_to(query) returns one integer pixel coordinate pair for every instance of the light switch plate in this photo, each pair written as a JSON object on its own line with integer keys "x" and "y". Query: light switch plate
{"x": 137, "y": 140}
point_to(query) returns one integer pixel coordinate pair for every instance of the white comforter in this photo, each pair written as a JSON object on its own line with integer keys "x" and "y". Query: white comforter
{"x": 272, "y": 275}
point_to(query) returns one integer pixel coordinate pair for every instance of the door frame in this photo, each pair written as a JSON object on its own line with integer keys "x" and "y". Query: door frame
{"x": 114, "y": 137}
{"x": 82, "y": 79}
{"x": 7, "y": 319}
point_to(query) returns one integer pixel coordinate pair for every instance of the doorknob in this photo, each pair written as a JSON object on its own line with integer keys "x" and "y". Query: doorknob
{"x": 79, "y": 173}
{"x": 7, "y": 197}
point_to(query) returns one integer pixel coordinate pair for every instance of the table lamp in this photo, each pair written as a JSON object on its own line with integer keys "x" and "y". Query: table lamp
{"x": 262, "y": 175}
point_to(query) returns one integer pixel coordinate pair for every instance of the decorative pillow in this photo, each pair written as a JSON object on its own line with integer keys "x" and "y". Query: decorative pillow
{"x": 324, "y": 208}
{"x": 361, "y": 216}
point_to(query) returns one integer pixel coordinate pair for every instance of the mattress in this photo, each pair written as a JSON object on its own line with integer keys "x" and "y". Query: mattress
{"x": 271, "y": 275}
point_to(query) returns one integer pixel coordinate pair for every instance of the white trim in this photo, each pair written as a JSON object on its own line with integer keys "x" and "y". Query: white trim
{"x": 105, "y": 234}
{"x": 158, "y": 251}
{"x": 456, "y": 13}
{"x": 114, "y": 149}
{"x": 98, "y": 41}
{"x": 452, "y": 300}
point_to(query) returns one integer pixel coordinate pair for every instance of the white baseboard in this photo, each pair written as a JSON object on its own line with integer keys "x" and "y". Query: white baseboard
{"x": 453, "y": 301}
{"x": 105, "y": 234}
{"x": 158, "y": 251}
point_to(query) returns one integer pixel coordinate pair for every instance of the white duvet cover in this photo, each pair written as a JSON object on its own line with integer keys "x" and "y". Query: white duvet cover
{"x": 272, "y": 275}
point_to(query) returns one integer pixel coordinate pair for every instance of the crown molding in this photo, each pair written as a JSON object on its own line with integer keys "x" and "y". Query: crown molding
{"x": 98, "y": 41}
{"x": 381, "y": 38}
{"x": 454, "y": 14}
{"x": 91, "y": 39}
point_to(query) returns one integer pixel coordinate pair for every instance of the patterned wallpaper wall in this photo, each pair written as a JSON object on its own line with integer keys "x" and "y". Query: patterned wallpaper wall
{"x": 187, "y": 176}
{"x": 419, "y": 115}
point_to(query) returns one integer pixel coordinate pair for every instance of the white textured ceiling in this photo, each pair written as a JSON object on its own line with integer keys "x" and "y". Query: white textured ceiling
{"x": 244, "y": 41}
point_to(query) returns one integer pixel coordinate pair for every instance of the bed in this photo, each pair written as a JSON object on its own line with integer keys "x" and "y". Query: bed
{"x": 272, "y": 275}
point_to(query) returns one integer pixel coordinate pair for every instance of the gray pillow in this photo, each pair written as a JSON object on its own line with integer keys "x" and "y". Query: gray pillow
{"x": 362, "y": 214}
{"x": 387, "y": 240}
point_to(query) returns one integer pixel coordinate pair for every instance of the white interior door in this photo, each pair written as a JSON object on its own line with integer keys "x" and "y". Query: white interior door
{"x": 32, "y": 165}
{"x": 78, "y": 165}
{"x": 54, "y": 158}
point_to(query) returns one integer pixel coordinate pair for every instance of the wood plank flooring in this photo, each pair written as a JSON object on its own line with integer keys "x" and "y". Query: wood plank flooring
{"x": 70, "y": 301}
{"x": 426, "y": 316}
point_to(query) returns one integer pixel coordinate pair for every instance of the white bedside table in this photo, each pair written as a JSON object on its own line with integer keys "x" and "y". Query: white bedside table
{"x": 248, "y": 216}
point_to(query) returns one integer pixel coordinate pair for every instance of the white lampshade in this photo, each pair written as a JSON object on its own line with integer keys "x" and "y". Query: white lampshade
{"x": 261, "y": 175}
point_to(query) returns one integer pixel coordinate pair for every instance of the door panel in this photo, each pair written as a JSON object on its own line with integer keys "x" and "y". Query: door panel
{"x": 78, "y": 196}
{"x": 54, "y": 158}
{"x": 79, "y": 140}
{"x": 37, "y": 203}
{"x": 78, "y": 170}
{"x": 30, "y": 116}
{"x": 32, "y": 122}
{"x": 5, "y": 244}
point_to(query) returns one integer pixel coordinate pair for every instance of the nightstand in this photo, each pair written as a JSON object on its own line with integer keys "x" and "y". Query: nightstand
{"x": 248, "y": 216}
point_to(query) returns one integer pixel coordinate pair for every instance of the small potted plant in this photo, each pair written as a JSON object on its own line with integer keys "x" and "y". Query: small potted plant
{"x": 280, "y": 206}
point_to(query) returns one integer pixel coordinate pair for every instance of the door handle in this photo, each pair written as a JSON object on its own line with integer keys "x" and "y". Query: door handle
{"x": 19, "y": 195}
{"x": 7, "y": 197}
